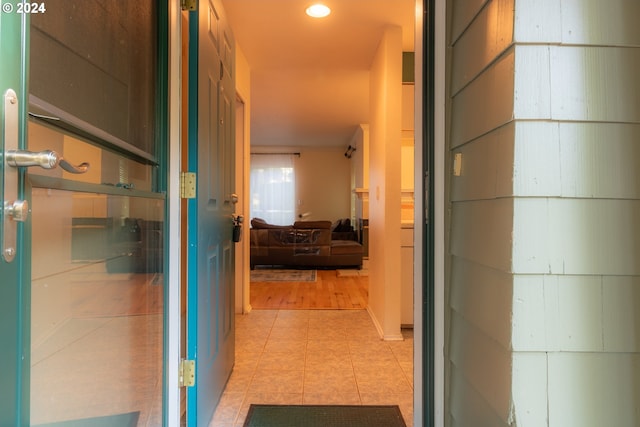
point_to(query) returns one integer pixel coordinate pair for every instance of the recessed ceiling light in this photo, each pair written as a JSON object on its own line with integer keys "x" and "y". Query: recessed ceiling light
{"x": 318, "y": 10}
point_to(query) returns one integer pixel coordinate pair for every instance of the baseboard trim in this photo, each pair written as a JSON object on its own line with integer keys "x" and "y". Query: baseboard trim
{"x": 381, "y": 334}
{"x": 374, "y": 319}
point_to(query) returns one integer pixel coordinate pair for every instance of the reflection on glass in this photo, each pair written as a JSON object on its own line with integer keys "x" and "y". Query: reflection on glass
{"x": 97, "y": 288}
{"x": 106, "y": 168}
{"x": 97, "y": 61}
{"x": 97, "y": 307}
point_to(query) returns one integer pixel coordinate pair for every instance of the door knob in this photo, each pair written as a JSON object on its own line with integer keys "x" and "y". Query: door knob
{"x": 46, "y": 159}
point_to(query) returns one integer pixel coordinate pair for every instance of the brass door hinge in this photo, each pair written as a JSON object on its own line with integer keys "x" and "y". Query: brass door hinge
{"x": 187, "y": 185}
{"x": 187, "y": 373}
{"x": 189, "y": 4}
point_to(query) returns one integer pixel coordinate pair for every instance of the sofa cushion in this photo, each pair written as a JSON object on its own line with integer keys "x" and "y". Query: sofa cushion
{"x": 259, "y": 239}
{"x": 345, "y": 247}
{"x": 344, "y": 235}
{"x": 299, "y": 237}
{"x": 324, "y": 225}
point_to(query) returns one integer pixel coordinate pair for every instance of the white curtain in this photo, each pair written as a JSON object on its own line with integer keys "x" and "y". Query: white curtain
{"x": 273, "y": 187}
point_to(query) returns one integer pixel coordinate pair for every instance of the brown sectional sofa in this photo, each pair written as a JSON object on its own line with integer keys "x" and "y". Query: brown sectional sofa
{"x": 303, "y": 244}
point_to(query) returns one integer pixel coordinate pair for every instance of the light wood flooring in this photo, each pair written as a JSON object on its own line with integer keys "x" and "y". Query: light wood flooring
{"x": 329, "y": 291}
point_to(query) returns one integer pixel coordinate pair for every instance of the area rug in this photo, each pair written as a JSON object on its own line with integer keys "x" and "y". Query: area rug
{"x": 323, "y": 416}
{"x": 275, "y": 275}
{"x": 352, "y": 273}
{"x": 121, "y": 420}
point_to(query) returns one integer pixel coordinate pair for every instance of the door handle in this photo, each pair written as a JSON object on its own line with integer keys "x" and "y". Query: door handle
{"x": 46, "y": 159}
{"x": 13, "y": 209}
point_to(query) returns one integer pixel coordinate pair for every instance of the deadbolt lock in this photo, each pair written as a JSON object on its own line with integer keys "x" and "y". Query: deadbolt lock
{"x": 18, "y": 210}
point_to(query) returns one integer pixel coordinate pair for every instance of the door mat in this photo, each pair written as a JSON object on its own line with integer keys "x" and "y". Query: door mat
{"x": 275, "y": 275}
{"x": 121, "y": 420}
{"x": 323, "y": 416}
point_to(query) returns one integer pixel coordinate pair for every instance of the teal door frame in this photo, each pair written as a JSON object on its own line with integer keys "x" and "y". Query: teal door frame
{"x": 15, "y": 299}
{"x": 428, "y": 229}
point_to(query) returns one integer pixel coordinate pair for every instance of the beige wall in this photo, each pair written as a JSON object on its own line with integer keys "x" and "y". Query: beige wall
{"x": 384, "y": 184}
{"x": 543, "y": 286}
{"x": 322, "y": 181}
{"x": 243, "y": 148}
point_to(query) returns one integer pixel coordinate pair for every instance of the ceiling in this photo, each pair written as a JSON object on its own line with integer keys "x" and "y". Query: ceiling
{"x": 310, "y": 77}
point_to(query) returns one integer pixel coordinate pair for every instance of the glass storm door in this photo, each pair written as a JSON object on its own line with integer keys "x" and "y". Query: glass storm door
{"x": 81, "y": 268}
{"x": 97, "y": 287}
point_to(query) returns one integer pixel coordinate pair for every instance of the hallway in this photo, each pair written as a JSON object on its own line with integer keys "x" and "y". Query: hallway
{"x": 315, "y": 357}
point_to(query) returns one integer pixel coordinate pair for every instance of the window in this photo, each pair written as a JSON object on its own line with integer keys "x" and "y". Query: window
{"x": 273, "y": 187}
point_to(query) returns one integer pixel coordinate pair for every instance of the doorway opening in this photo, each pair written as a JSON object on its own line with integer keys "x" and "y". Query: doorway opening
{"x": 418, "y": 349}
{"x": 418, "y": 179}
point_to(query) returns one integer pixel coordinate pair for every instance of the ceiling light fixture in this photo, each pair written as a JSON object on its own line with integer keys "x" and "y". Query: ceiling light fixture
{"x": 318, "y": 10}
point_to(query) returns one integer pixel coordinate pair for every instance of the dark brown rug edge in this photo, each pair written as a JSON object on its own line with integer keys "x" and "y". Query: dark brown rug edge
{"x": 394, "y": 415}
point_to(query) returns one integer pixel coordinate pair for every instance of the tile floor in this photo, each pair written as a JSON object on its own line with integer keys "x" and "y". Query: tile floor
{"x": 315, "y": 357}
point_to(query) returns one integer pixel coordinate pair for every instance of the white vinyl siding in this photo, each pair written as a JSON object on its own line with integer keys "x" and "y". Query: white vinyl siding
{"x": 545, "y": 217}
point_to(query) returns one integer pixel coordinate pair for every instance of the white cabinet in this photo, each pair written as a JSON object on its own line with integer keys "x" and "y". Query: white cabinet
{"x": 406, "y": 256}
